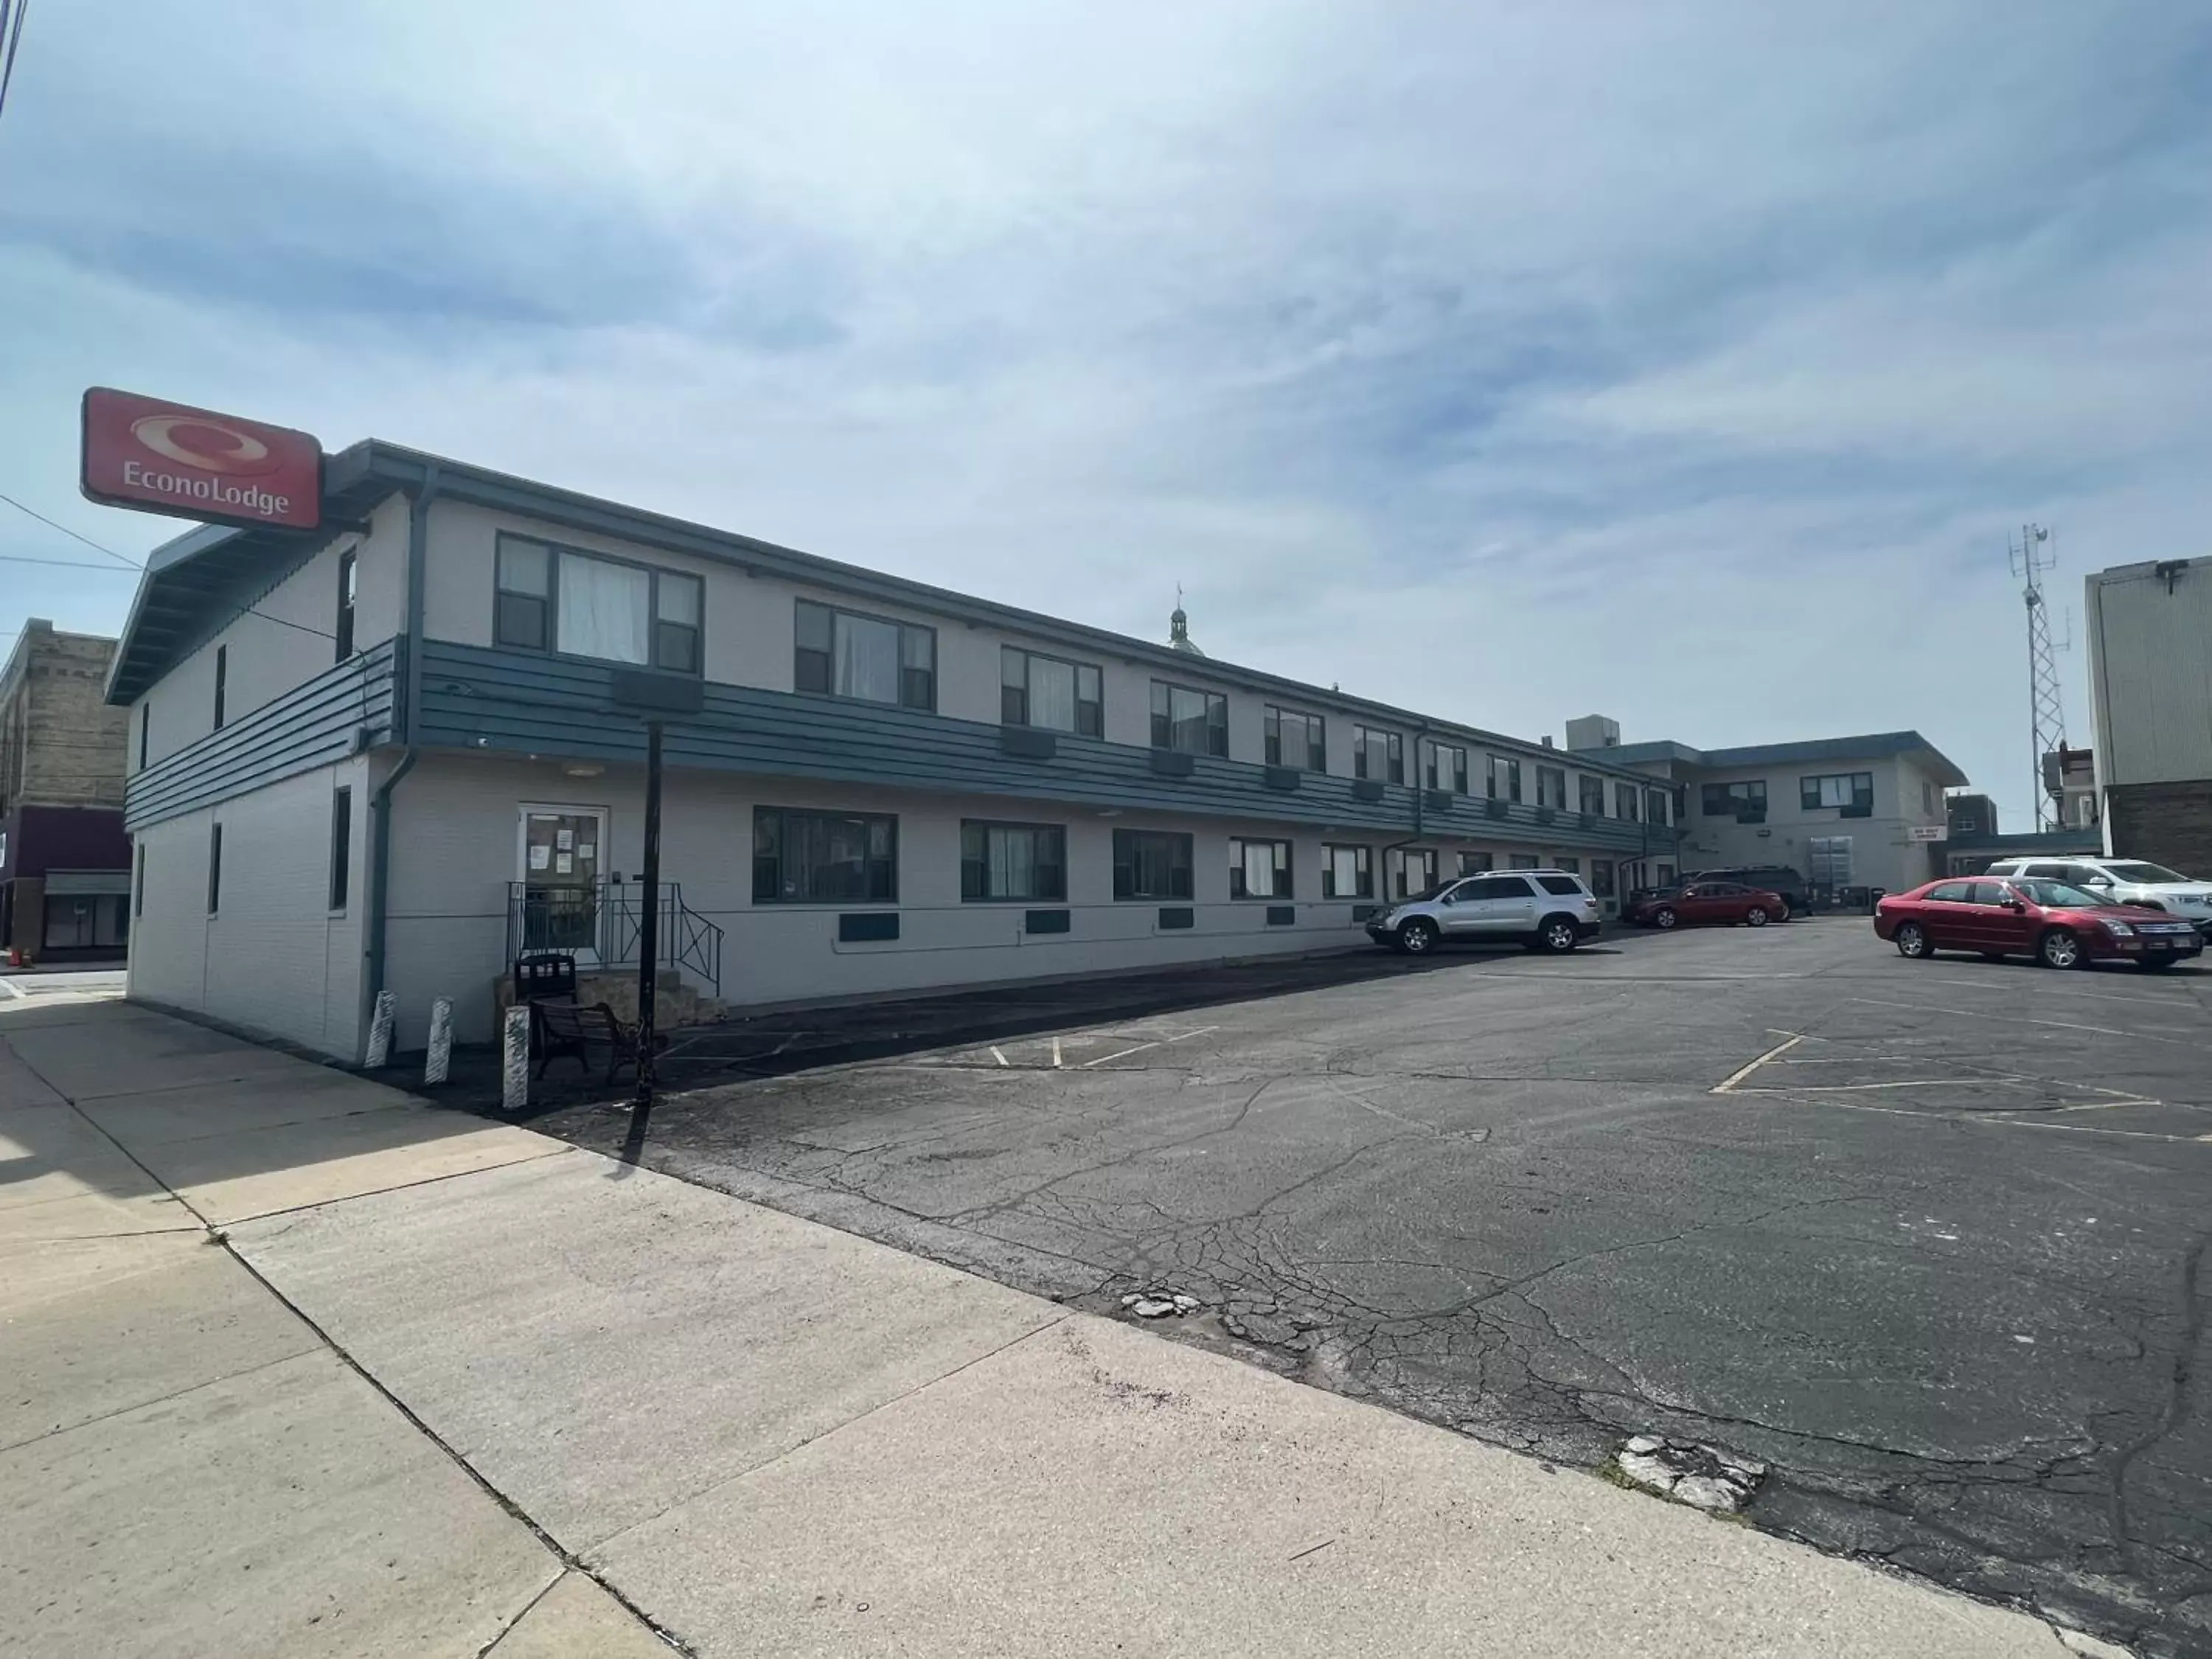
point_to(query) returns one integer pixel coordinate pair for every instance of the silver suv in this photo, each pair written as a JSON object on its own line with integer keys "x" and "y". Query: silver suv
{"x": 1542, "y": 909}
{"x": 2124, "y": 881}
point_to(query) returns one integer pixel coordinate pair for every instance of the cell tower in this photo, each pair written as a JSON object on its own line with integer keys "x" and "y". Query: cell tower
{"x": 2046, "y": 700}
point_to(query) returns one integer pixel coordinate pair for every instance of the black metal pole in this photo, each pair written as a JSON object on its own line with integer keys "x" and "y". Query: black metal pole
{"x": 648, "y": 931}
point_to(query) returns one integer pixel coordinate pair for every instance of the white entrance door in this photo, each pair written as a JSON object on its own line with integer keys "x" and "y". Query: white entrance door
{"x": 561, "y": 852}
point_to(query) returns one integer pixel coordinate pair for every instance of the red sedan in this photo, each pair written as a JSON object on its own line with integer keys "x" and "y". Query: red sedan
{"x": 2059, "y": 925}
{"x": 1710, "y": 900}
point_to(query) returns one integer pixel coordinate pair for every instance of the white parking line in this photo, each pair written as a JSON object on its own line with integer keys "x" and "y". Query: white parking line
{"x": 1160, "y": 1042}
{"x": 2174, "y": 997}
{"x": 1057, "y": 1062}
{"x": 2023, "y": 1019}
{"x": 998, "y": 1055}
{"x": 1727, "y": 1086}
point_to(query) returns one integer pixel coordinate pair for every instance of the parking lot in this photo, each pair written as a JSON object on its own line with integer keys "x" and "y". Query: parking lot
{"x": 1926, "y": 1238}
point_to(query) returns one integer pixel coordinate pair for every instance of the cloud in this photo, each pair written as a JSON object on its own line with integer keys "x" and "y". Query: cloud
{"x": 1509, "y": 361}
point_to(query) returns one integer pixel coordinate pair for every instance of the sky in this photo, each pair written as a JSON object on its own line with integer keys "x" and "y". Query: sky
{"x": 1690, "y": 364}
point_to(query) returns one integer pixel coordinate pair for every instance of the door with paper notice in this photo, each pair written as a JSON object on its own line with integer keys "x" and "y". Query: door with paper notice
{"x": 561, "y": 848}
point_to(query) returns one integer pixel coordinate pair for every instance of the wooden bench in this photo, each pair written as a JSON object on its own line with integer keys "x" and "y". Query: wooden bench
{"x": 565, "y": 1029}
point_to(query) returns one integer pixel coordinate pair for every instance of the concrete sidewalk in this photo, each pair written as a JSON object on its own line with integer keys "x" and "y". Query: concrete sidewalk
{"x": 294, "y": 1365}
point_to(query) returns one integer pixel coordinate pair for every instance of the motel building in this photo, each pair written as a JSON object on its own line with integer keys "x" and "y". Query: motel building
{"x": 401, "y": 748}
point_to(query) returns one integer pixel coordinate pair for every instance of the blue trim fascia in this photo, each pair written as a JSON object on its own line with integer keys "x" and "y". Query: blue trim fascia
{"x": 482, "y": 699}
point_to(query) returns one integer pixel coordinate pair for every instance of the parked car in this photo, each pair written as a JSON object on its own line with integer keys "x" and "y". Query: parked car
{"x": 1712, "y": 901}
{"x": 1778, "y": 878}
{"x": 1542, "y": 909}
{"x": 2121, "y": 881}
{"x": 2060, "y": 926}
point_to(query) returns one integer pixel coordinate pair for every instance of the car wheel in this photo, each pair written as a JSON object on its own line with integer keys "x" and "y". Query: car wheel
{"x": 1662, "y": 917}
{"x": 1417, "y": 937}
{"x": 1783, "y": 912}
{"x": 1913, "y": 941}
{"x": 1558, "y": 936}
{"x": 1755, "y": 917}
{"x": 2060, "y": 949}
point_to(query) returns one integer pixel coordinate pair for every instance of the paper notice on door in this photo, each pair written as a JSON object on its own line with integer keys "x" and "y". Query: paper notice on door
{"x": 564, "y": 864}
{"x": 540, "y": 857}
{"x": 587, "y": 851}
{"x": 565, "y": 840}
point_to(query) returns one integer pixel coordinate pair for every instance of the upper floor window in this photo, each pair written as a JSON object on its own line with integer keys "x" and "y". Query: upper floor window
{"x": 1550, "y": 785}
{"x": 1725, "y": 800}
{"x": 221, "y": 679}
{"x": 1196, "y": 722}
{"x": 846, "y": 654}
{"x": 1505, "y": 778}
{"x": 1378, "y": 755}
{"x": 1660, "y": 813}
{"x": 1444, "y": 765}
{"x": 1593, "y": 795}
{"x": 584, "y": 604}
{"x": 1927, "y": 795}
{"x": 1049, "y": 692}
{"x": 346, "y": 583}
{"x": 1299, "y": 740}
{"x": 1836, "y": 789}
{"x": 1625, "y": 803}
{"x": 145, "y": 730}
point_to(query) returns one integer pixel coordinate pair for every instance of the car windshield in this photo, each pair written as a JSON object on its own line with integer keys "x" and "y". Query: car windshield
{"x": 2143, "y": 874}
{"x": 2054, "y": 893}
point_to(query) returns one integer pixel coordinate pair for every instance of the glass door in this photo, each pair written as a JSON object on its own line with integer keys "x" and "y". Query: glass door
{"x": 562, "y": 850}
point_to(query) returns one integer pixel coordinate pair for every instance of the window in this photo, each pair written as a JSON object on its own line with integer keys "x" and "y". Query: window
{"x": 145, "y": 730}
{"x": 824, "y": 858}
{"x": 1377, "y": 755}
{"x": 1412, "y": 873}
{"x": 1831, "y": 860}
{"x": 1524, "y": 861}
{"x": 1837, "y": 789}
{"x": 1560, "y": 886}
{"x": 1505, "y": 778}
{"x": 1013, "y": 861}
{"x": 842, "y": 653}
{"x": 340, "y": 846}
{"x": 1990, "y": 892}
{"x": 1593, "y": 795}
{"x": 581, "y": 605}
{"x": 1927, "y": 795}
{"x": 1151, "y": 864}
{"x": 215, "y": 868}
{"x": 344, "y": 629}
{"x": 1347, "y": 872}
{"x": 1491, "y": 887}
{"x": 1472, "y": 864}
{"x": 1298, "y": 740}
{"x": 1660, "y": 806}
{"x": 221, "y": 681}
{"x": 1602, "y": 878}
{"x": 1625, "y": 802}
{"x": 1049, "y": 692}
{"x": 1258, "y": 869}
{"x": 1572, "y": 866}
{"x": 1191, "y": 721}
{"x": 1550, "y": 785}
{"x": 138, "y": 884}
{"x": 1444, "y": 765}
{"x": 1950, "y": 892}
{"x": 1728, "y": 800}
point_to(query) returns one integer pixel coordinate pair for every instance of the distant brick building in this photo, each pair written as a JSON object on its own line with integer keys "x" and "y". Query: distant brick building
{"x": 64, "y": 859}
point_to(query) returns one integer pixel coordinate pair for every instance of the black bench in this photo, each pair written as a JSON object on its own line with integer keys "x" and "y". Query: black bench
{"x": 565, "y": 1029}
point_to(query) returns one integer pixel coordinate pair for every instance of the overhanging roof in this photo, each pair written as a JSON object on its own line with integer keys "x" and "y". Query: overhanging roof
{"x": 1877, "y": 746}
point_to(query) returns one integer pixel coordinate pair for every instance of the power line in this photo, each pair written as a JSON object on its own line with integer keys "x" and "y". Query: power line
{"x": 13, "y": 41}
{"x": 64, "y": 564}
{"x": 55, "y": 524}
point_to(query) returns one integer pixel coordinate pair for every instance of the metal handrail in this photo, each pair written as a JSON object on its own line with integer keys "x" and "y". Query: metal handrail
{"x": 606, "y": 918}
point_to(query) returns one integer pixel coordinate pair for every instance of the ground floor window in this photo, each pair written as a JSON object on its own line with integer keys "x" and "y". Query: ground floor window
{"x": 1347, "y": 872}
{"x": 824, "y": 858}
{"x": 1258, "y": 869}
{"x": 1151, "y": 864}
{"x": 1666, "y": 875}
{"x": 1475, "y": 864}
{"x": 1411, "y": 872}
{"x": 1572, "y": 866}
{"x": 1602, "y": 878}
{"x": 1525, "y": 862}
{"x": 1013, "y": 861}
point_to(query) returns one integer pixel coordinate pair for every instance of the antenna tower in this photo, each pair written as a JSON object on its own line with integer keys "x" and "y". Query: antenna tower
{"x": 2046, "y": 701}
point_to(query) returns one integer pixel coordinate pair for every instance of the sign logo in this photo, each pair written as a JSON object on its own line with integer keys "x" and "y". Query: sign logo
{"x": 193, "y": 464}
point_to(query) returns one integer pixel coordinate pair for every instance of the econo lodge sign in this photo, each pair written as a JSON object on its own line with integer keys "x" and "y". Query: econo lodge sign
{"x": 194, "y": 463}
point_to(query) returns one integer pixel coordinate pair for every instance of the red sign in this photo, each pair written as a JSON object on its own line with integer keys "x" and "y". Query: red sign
{"x": 167, "y": 458}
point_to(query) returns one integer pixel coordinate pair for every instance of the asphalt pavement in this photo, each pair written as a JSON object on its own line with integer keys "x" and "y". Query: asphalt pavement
{"x": 1927, "y": 1238}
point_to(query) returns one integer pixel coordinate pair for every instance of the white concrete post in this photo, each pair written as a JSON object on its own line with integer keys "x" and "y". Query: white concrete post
{"x": 515, "y": 1083}
{"x": 379, "y": 1029}
{"x": 440, "y": 1058}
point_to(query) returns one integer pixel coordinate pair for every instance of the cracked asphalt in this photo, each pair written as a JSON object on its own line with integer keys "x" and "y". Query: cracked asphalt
{"x": 1928, "y": 1239}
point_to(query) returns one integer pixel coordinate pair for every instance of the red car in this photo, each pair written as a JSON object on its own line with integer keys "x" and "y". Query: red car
{"x": 1710, "y": 900}
{"x": 2059, "y": 925}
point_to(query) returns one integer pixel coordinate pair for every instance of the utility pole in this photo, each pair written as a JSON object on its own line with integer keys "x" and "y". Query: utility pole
{"x": 2046, "y": 700}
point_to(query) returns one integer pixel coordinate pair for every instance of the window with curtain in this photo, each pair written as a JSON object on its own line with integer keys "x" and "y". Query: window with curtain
{"x": 1194, "y": 721}
{"x": 1013, "y": 861}
{"x": 1049, "y": 692}
{"x": 1258, "y": 869}
{"x": 1839, "y": 789}
{"x": 1347, "y": 872}
{"x": 582, "y": 605}
{"x": 1505, "y": 778}
{"x": 1298, "y": 740}
{"x": 845, "y": 654}
{"x": 1413, "y": 871}
{"x": 1378, "y": 755}
{"x": 824, "y": 858}
{"x": 603, "y": 610}
{"x": 1151, "y": 864}
{"x": 1444, "y": 765}
{"x": 1593, "y": 795}
{"x": 1624, "y": 799}
{"x": 1551, "y": 787}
